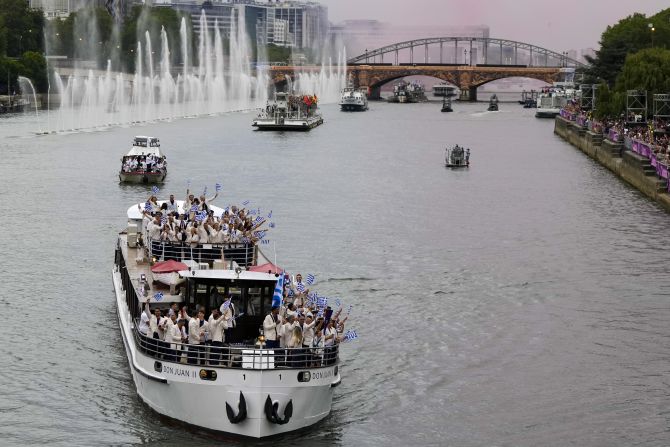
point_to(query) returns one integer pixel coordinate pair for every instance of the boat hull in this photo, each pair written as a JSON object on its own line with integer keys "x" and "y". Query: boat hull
{"x": 547, "y": 113}
{"x": 353, "y": 107}
{"x": 176, "y": 390}
{"x": 142, "y": 177}
{"x": 301, "y": 125}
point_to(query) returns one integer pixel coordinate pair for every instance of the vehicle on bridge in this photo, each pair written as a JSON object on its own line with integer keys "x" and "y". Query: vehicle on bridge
{"x": 493, "y": 103}
{"x": 144, "y": 163}
{"x": 405, "y": 92}
{"x": 457, "y": 157}
{"x": 354, "y": 100}
{"x": 289, "y": 112}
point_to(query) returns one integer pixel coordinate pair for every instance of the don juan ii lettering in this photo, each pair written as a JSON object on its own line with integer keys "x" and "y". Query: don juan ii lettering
{"x": 177, "y": 371}
{"x": 322, "y": 374}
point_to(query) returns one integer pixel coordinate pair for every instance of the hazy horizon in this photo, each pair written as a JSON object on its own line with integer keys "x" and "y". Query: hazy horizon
{"x": 561, "y": 26}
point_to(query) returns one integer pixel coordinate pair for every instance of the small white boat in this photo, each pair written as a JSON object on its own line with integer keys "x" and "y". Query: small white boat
{"x": 144, "y": 163}
{"x": 551, "y": 100}
{"x": 354, "y": 100}
{"x": 289, "y": 112}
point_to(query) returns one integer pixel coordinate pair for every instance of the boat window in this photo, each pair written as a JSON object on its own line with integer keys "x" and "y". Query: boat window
{"x": 254, "y": 301}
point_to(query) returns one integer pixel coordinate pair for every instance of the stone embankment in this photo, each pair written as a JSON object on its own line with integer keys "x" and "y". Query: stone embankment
{"x": 633, "y": 168}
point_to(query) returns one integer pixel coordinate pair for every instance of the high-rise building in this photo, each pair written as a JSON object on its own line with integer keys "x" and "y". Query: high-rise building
{"x": 291, "y": 24}
{"x": 52, "y": 8}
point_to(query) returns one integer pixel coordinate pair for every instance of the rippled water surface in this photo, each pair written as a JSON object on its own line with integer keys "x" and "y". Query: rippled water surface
{"x": 522, "y": 302}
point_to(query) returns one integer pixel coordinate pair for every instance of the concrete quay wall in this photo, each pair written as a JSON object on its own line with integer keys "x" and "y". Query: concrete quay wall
{"x": 627, "y": 165}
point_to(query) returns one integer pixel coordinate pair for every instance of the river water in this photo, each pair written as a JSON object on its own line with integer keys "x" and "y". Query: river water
{"x": 522, "y": 302}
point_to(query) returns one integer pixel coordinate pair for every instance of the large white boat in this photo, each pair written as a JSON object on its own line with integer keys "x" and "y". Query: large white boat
{"x": 552, "y": 99}
{"x": 289, "y": 112}
{"x": 144, "y": 163}
{"x": 444, "y": 89}
{"x": 354, "y": 100}
{"x": 243, "y": 387}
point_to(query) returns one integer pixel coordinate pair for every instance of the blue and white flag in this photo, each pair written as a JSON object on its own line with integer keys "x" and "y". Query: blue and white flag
{"x": 319, "y": 314}
{"x": 321, "y": 302}
{"x": 245, "y": 240}
{"x": 350, "y": 335}
{"x": 245, "y": 203}
{"x": 290, "y": 293}
{"x": 252, "y": 212}
{"x": 279, "y": 291}
{"x": 272, "y": 224}
{"x": 311, "y": 297}
{"x": 155, "y": 189}
{"x": 310, "y": 279}
{"x": 338, "y": 303}
{"x": 202, "y": 215}
{"x": 300, "y": 287}
{"x": 218, "y": 187}
{"x": 225, "y": 305}
{"x": 258, "y": 219}
{"x": 158, "y": 296}
{"x": 163, "y": 220}
{"x": 270, "y": 215}
{"x": 148, "y": 207}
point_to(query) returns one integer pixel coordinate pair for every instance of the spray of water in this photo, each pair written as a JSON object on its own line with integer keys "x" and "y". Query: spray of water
{"x": 156, "y": 90}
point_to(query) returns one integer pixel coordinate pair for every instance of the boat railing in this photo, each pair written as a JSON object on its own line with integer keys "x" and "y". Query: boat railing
{"x": 235, "y": 356}
{"x": 244, "y": 254}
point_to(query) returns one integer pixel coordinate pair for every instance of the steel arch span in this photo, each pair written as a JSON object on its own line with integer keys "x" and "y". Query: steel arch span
{"x": 489, "y": 50}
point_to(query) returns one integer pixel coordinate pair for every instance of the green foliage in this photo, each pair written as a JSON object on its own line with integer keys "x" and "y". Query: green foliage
{"x": 628, "y": 36}
{"x": 22, "y": 27}
{"x": 278, "y": 54}
{"x": 142, "y": 19}
{"x": 31, "y": 65}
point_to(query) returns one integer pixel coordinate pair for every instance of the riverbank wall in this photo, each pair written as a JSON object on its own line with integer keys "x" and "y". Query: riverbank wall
{"x": 634, "y": 169}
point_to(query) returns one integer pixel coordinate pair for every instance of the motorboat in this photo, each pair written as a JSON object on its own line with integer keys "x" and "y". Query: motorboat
{"x": 493, "y": 103}
{"x": 406, "y": 92}
{"x": 354, "y": 100}
{"x": 446, "y": 105}
{"x": 289, "y": 112}
{"x": 144, "y": 163}
{"x": 457, "y": 157}
{"x": 552, "y": 99}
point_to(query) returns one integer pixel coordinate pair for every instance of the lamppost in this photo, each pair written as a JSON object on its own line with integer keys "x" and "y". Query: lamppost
{"x": 652, "y": 29}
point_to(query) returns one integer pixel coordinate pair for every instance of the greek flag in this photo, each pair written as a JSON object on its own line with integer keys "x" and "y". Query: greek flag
{"x": 338, "y": 303}
{"x": 252, "y": 212}
{"x": 290, "y": 293}
{"x": 147, "y": 207}
{"x": 218, "y": 187}
{"x": 258, "y": 219}
{"x": 311, "y": 297}
{"x": 245, "y": 203}
{"x": 272, "y": 224}
{"x": 226, "y": 304}
{"x": 350, "y": 335}
{"x": 310, "y": 279}
{"x": 300, "y": 287}
{"x": 321, "y": 302}
{"x": 194, "y": 209}
{"x": 163, "y": 220}
{"x": 279, "y": 291}
{"x": 245, "y": 240}
{"x": 155, "y": 189}
{"x": 201, "y": 216}
{"x": 319, "y": 314}
{"x": 158, "y": 296}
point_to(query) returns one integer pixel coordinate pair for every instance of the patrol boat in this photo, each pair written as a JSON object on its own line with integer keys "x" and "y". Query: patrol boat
{"x": 457, "y": 157}
{"x": 353, "y": 100}
{"x": 289, "y": 112}
{"x": 242, "y": 388}
{"x": 144, "y": 148}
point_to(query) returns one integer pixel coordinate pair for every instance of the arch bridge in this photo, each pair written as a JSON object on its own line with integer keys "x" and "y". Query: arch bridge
{"x": 467, "y": 62}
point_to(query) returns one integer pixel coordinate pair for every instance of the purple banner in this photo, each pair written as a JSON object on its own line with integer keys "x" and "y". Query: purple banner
{"x": 613, "y": 135}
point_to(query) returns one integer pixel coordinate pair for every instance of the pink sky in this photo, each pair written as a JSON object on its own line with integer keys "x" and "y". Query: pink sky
{"x": 558, "y": 25}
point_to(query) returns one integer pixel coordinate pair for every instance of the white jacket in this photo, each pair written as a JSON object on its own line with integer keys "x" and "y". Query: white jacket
{"x": 173, "y": 336}
{"x": 194, "y": 330}
{"x": 270, "y": 328}
{"x": 216, "y": 328}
